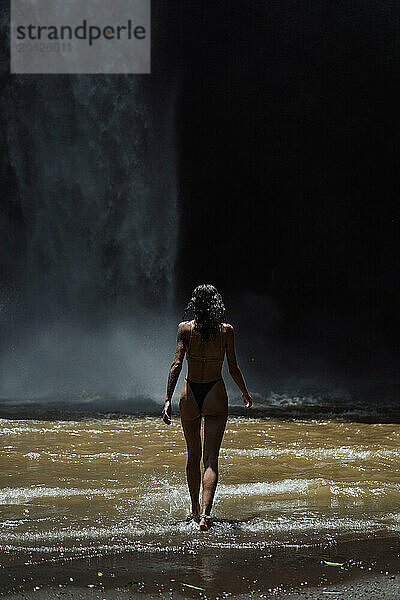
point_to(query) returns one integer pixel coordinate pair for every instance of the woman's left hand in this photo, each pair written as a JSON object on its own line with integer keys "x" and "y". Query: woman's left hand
{"x": 166, "y": 412}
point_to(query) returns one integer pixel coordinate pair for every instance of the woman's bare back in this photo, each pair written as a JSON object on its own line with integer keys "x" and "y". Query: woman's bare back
{"x": 204, "y": 358}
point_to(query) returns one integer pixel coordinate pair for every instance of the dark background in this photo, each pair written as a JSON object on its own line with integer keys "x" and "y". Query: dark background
{"x": 289, "y": 147}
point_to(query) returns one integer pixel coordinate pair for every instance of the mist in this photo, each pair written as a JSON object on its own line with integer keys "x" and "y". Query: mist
{"x": 128, "y": 359}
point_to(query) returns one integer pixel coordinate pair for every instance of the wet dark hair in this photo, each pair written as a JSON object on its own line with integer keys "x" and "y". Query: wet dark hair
{"x": 208, "y": 310}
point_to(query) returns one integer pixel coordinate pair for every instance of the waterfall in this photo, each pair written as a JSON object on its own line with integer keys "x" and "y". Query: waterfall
{"x": 89, "y": 227}
{"x": 94, "y": 173}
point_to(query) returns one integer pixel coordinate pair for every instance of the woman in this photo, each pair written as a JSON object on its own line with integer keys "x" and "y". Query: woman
{"x": 204, "y": 340}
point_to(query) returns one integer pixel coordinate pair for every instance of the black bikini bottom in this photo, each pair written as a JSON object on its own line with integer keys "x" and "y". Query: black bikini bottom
{"x": 200, "y": 390}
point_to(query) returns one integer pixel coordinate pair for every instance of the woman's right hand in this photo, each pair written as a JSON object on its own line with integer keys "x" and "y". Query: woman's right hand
{"x": 166, "y": 412}
{"x": 247, "y": 399}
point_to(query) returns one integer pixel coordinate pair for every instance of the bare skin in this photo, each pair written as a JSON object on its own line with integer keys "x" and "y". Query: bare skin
{"x": 214, "y": 410}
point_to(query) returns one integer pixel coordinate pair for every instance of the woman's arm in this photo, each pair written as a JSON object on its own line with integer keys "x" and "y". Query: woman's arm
{"x": 173, "y": 375}
{"x": 234, "y": 369}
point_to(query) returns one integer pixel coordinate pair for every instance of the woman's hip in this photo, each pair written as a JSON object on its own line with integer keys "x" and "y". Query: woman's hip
{"x": 203, "y": 399}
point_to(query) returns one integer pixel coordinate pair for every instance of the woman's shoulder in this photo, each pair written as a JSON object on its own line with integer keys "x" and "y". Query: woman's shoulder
{"x": 184, "y": 330}
{"x": 184, "y": 325}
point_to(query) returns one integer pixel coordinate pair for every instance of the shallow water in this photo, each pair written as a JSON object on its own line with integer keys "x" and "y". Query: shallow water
{"x": 97, "y": 486}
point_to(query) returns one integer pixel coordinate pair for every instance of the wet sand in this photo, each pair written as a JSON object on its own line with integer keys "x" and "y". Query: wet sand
{"x": 369, "y": 569}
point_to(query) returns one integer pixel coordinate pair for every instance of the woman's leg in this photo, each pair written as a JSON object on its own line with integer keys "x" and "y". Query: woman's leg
{"x": 214, "y": 428}
{"x": 215, "y": 411}
{"x": 191, "y": 422}
{"x": 193, "y": 441}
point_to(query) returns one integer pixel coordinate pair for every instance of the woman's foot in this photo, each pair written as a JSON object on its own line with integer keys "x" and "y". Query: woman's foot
{"x": 205, "y": 522}
{"x": 194, "y": 513}
{"x": 192, "y": 517}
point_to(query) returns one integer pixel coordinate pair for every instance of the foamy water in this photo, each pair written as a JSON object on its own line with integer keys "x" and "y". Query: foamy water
{"x": 94, "y": 486}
